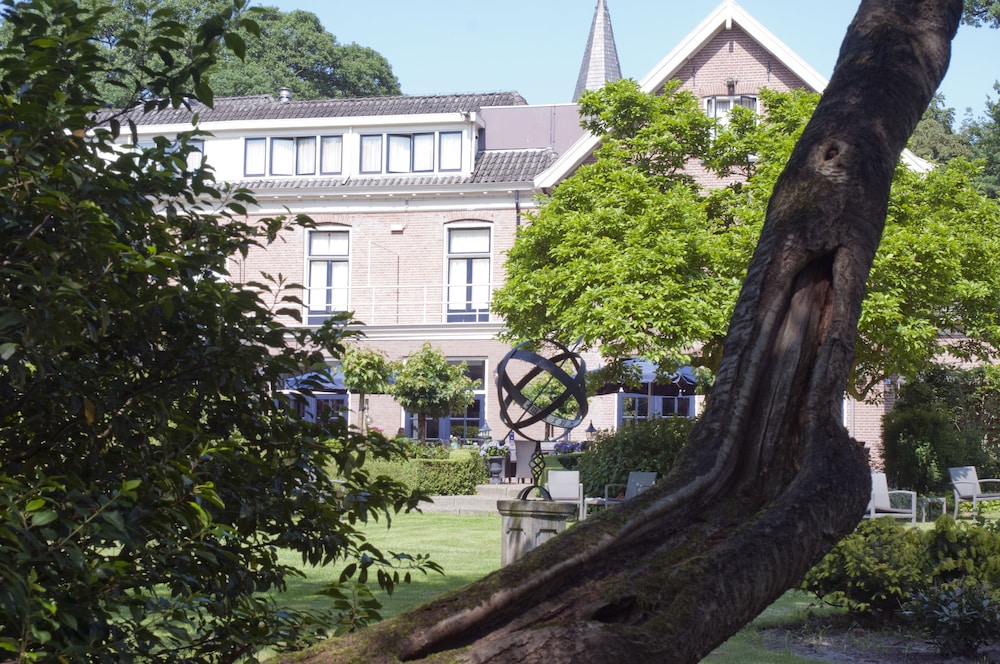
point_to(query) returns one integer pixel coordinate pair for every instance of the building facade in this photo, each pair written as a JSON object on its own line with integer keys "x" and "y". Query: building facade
{"x": 416, "y": 200}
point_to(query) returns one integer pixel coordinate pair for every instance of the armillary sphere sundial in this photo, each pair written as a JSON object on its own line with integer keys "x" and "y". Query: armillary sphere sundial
{"x": 558, "y": 396}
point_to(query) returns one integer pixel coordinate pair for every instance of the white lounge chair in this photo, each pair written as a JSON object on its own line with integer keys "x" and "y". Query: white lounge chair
{"x": 564, "y": 486}
{"x": 969, "y": 488}
{"x": 880, "y": 503}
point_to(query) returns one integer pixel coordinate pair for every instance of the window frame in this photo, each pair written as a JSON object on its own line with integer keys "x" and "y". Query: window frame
{"x": 247, "y": 143}
{"x": 319, "y": 309}
{"x": 444, "y": 154}
{"x": 373, "y": 138}
{"x": 323, "y": 142}
{"x": 469, "y": 312}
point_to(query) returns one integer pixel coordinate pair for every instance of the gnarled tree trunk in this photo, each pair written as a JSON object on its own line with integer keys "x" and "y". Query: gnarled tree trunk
{"x": 769, "y": 480}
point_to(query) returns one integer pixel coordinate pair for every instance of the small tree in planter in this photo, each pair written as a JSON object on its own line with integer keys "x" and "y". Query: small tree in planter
{"x": 366, "y": 371}
{"x": 426, "y": 384}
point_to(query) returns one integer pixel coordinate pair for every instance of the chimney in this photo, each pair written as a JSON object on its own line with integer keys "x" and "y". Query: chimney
{"x": 284, "y": 95}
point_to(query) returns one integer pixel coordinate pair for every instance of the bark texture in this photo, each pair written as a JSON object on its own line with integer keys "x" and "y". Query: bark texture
{"x": 769, "y": 480}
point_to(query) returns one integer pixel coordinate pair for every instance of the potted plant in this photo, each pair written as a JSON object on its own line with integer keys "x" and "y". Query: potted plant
{"x": 494, "y": 452}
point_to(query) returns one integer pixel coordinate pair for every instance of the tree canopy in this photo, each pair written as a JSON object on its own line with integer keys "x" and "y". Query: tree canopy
{"x": 982, "y": 12}
{"x": 427, "y": 384}
{"x": 282, "y": 49}
{"x": 632, "y": 256}
{"x": 151, "y": 469}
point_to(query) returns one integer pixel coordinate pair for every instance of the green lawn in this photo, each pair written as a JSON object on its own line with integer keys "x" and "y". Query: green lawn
{"x": 468, "y": 547}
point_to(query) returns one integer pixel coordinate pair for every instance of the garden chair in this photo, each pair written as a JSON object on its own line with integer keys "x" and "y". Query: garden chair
{"x": 969, "y": 488}
{"x": 880, "y": 503}
{"x": 638, "y": 481}
{"x": 564, "y": 486}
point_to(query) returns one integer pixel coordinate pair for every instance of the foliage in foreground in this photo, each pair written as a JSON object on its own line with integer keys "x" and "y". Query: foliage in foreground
{"x": 945, "y": 580}
{"x": 149, "y": 471}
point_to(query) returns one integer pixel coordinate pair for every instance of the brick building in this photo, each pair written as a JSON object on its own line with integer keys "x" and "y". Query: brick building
{"x": 417, "y": 199}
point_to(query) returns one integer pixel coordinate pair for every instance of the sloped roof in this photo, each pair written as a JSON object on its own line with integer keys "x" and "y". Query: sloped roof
{"x": 497, "y": 166}
{"x": 600, "y": 58}
{"x": 722, "y": 18}
{"x": 266, "y": 107}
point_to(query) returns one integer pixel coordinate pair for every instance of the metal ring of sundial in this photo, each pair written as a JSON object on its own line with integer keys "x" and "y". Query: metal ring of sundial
{"x": 510, "y": 392}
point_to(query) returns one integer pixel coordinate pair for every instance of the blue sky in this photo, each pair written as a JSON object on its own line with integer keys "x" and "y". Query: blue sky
{"x": 535, "y": 46}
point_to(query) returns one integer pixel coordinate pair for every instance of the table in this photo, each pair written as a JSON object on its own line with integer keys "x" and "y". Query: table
{"x": 923, "y": 502}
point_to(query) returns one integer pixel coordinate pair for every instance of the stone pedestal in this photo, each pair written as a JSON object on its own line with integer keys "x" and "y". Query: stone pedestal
{"x": 526, "y": 524}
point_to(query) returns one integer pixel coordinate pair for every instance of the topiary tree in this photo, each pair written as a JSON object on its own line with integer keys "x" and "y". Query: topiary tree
{"x": 150, "y": 470}
{"x": 366, "y": 371}
{"x": 430, "y": 386}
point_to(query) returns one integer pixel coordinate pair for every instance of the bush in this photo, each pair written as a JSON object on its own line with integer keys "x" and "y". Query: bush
{"x": 958, "y": 616}
{"x": 872, "y": 571}
{"x": 943, "y": 577}
{"x": 456, "y": 475}
{"x": 651, "y": 445}
{"x": 919, "y": 447}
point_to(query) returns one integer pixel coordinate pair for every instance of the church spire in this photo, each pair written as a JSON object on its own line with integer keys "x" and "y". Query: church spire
{"x": 600, "y": 59}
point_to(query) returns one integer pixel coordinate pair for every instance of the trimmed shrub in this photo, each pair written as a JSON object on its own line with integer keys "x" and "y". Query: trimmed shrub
{"x": 456, "y": 475}
{"x": 650, "y": 445}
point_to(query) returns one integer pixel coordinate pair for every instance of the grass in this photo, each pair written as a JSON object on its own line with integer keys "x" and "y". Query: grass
{"x": 466, "y": 546}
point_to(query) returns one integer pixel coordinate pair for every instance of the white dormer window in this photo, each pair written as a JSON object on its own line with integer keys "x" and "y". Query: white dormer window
{"x": 286, "y": 156}
{"x": 720, "y": 106}
{"x": 371, "y": 153}
{"x": 410, "y": 153}
{"x": 451, "y": 150}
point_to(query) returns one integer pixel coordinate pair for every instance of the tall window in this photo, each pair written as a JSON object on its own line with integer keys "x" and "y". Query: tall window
{"x": 468, "y": 275}
{"x": 282, "y": 156}
{"x": 719, "y": 107}
{"x": 305, "y": 155}
{"x": 465, "y": 424}
{"x": 328, "y": 274}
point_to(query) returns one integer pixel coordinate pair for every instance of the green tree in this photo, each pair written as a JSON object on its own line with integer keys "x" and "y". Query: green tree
{"x": 150, "y": 471}
{"x": 980, "y": 12}
{"x": 630, "y": 256}
{"x": 430, "y": 386}
{"x": 283, "y": 49}
{"x": 366, "y": 371}
{"x": 983, "y": 134}
{"x": 935, "y": 138}
{"x": 294, "y": 50}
